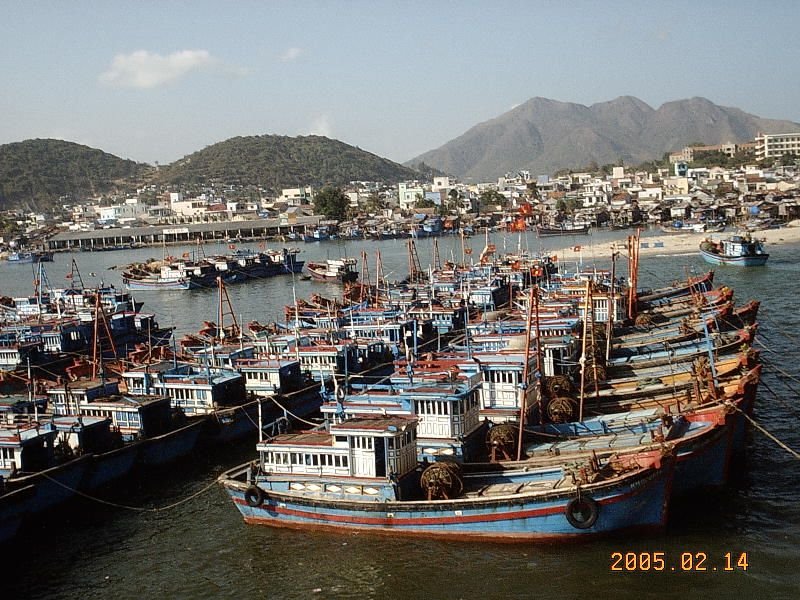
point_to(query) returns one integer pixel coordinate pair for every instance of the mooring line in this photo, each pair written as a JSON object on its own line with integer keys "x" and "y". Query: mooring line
{"x": 777, "y": 397}
{"x": 765, "y": 432}
{"x": 128, "y": 507}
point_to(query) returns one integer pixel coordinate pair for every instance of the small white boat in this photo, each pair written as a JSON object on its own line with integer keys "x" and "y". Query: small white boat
{"x": 736, "y": 250}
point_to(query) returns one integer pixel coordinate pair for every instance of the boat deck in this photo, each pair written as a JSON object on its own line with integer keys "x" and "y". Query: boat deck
{"x": 513, "y": 489}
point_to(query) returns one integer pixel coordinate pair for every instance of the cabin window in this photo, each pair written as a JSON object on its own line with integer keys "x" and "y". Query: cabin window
{"x": 341, "y": 439}
{"x": 296, "y": 458}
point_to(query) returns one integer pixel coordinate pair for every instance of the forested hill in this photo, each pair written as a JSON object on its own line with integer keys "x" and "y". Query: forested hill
{"x": 276, "y": 162}
{"x": 36, "y": 173}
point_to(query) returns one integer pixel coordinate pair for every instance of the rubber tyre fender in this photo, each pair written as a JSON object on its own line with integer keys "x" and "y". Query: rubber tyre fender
{"x": 582, "y": 512}
{"x": 254, "y": 496}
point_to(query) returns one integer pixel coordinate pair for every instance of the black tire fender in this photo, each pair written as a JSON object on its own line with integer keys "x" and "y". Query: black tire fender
{"x": 254, "y": 496}
{"x": 582, "y": 512}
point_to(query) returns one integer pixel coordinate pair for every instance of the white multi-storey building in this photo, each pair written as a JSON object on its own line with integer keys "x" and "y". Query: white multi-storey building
{"x": 407, "y": 194}
{"x": 777, "y": 144}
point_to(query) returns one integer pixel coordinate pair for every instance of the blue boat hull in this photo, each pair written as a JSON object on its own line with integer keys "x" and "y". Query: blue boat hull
{"x": 639, "y": 504}
{"x": 163, "y": 449}
{"x": 704, "y": 464}
{"x": 13, "y": 508}
{"x": 758, "y": 260}
{"x": 56, "y": 485}
{"x": 111, "y": 466}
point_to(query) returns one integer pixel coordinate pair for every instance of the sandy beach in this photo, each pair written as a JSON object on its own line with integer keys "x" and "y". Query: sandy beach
{"x": 684, "y": 243}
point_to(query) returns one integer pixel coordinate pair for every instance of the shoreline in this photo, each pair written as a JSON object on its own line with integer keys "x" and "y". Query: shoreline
{"x": 660, "y": 244}
{"x": 676, "y": 244}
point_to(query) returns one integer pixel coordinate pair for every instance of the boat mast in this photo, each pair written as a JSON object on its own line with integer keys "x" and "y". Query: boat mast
{"x": 379, "y": 276}
{"x": 526, "y": 370}
{"x": 582, "y": 361}
{"x": 611, "y": 305}
{"x": 30, "y": 392}
{"x": 365, "y": 277}
{"x": 224, "y": 301}
{"x": 97, "y": 342}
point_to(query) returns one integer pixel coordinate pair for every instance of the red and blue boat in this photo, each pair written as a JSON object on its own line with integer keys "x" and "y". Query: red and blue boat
{"x": 362, "y": 475}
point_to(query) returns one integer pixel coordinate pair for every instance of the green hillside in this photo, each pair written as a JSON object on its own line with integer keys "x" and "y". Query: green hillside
{"x": 34, "y": 174}
{"x": 276, "y": 162}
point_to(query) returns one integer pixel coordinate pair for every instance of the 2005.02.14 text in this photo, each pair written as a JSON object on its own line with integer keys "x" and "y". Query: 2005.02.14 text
{"x": 683, "y": 562}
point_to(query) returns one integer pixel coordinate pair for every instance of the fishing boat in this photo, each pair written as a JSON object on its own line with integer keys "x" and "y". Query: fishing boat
{"x": 28, "y": 257}
{"x": 735, "y": 250}
{"x": 341, "y": 270}
{"x": 363, "y": 475}
{"x": 702, "y": 440}
{"x": 317, "y": 234}
{"x": 174, "y": 275}
{"x": 564, "y": 229}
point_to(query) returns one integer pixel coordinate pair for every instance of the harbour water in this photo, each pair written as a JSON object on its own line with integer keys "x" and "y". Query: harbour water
{"x": 202, "y": 549}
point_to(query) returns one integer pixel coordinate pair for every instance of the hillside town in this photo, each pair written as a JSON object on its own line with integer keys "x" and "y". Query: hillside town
{"x": 684, "y": 195}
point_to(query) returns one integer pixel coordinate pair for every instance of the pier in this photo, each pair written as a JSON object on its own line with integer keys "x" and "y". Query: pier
{"x": 178, "y": 233}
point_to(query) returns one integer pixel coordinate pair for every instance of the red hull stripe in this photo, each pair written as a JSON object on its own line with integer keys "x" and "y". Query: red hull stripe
{"x": 576, "y": 537}
{"x": 450, "y": 520}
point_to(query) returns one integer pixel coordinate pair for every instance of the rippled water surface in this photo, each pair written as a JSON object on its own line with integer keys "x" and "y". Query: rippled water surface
{"x": 204, "y": 550}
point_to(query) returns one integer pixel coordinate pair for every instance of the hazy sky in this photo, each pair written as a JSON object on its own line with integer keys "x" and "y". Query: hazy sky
{"x": 154, "y": 81}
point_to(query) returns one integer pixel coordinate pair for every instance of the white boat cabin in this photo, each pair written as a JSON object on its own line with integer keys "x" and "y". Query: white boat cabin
{"x": 363, "y": 447}
{"x": 26, "y": 447}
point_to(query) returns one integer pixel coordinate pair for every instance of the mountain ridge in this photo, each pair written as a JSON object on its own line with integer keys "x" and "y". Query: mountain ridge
{"x": 543, "y": 135}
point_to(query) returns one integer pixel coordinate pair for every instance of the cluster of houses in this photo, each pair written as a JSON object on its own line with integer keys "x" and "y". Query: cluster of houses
{"x": 621, "y": 198}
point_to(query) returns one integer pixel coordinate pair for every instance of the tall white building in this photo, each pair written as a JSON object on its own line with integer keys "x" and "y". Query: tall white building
{"x": 774, "y": 145}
